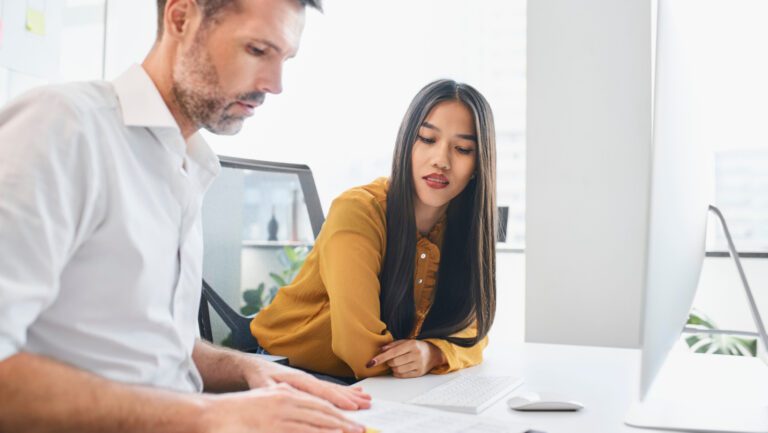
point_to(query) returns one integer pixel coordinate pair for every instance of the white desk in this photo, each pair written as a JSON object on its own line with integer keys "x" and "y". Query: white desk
{"x": 605, "y": 380}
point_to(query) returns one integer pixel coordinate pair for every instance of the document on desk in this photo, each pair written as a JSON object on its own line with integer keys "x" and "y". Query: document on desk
{"x": 390, "y": 417}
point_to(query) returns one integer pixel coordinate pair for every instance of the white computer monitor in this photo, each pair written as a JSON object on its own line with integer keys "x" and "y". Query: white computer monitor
{"x": 681, "y": 193}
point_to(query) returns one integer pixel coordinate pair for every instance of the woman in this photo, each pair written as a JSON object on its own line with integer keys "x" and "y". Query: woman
{"x": 402, "y": 276}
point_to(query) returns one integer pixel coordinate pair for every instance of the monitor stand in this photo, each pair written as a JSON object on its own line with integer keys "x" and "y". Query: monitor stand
{"x": 698, "y": 417}
{"x": 745, "y": 417}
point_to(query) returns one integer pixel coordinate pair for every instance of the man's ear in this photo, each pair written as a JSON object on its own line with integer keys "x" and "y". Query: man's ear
{"x": 179, "y": 17}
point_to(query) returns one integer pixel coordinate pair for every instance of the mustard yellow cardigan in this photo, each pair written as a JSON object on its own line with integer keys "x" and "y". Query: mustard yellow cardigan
{"x": 328, "y": 319}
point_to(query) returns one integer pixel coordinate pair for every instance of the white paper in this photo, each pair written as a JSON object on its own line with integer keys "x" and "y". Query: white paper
{"x": 390, "y": 417}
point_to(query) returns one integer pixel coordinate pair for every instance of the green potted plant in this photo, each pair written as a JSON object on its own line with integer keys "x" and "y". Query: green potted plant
{"x": 292, "y": 259}
{"x": 722, "y": 344}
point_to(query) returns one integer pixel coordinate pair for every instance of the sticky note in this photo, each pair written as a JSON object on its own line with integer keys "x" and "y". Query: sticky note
{"x": 36, "y": 21}
{"x": 371, "y": 430}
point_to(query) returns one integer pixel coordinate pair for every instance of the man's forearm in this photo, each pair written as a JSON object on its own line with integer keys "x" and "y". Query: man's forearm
{"x": 227, "y": 370}
{"x": 42, "y": 395}
{"x": 222, "y": 369}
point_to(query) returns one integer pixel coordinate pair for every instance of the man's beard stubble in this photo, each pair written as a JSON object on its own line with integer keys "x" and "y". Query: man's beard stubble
{"x": 198, "y": 95}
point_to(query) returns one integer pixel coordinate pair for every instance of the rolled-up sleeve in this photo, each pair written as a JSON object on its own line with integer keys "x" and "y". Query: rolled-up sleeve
{"x": 351, "y": 253}
{"x": 458, "y": 357}
{"x": 43, "y": 183}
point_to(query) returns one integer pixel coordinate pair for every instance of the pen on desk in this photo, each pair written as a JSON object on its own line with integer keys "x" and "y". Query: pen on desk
{"x": 534, "y": 431}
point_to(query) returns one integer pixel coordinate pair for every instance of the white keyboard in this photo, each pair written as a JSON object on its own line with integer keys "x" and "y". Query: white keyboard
{"x": 468, "y": 393}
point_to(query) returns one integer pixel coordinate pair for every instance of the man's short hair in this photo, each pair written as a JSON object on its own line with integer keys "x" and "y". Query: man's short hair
{"x": 211, "y": 8}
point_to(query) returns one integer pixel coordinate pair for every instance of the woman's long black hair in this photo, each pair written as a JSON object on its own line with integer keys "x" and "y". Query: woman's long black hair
{"x": 466, "y": 283}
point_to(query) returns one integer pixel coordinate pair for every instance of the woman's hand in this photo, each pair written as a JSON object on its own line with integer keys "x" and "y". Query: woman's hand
{"x": 409, "y": 358}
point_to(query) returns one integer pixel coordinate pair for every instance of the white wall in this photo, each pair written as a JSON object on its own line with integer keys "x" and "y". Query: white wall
{"x": 509, "y": 325}
{"x": 589, "y": 136}
{"x": 131, "y": 27}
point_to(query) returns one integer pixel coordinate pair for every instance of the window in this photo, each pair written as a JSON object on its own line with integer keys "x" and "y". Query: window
{"x": 741, "y": 192}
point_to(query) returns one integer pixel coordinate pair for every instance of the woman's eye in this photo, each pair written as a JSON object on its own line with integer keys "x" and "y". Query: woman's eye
{"x": 465, "y": 150}
{"x": 426, "y": 139}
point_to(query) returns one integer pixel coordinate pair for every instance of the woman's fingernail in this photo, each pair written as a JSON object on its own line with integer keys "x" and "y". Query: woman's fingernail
{"x": 370, "y": 363}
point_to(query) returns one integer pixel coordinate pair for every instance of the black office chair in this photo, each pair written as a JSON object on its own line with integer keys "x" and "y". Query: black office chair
{"x": 239, "y": 325}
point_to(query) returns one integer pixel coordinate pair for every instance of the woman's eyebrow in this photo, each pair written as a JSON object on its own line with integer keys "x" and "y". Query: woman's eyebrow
{"x": 471, "y": 137}
{"x": 430, "y": 126}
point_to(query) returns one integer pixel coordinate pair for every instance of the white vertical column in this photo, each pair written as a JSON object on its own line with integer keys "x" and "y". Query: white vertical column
{"x": 588, "y": 169}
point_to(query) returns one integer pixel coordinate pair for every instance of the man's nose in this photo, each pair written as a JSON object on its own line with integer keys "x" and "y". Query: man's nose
{"x": 272, "y": 81}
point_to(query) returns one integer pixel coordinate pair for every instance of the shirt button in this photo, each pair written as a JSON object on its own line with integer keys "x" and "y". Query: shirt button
{"x": 423, "y": 255}
{"x": 420, "y": 280}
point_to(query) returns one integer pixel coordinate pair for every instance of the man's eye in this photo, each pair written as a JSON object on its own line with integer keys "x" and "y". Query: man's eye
{"x": 255, "y": 51}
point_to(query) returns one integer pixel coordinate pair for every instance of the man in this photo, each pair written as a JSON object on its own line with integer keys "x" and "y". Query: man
{"x": 100, "y": 193}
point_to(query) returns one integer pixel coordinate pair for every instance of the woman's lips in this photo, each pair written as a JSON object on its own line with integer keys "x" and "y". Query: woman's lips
{"x": 436, "y": 181}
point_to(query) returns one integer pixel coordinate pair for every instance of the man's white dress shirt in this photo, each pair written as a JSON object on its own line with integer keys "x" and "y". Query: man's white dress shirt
{"x": 100, "y": 231}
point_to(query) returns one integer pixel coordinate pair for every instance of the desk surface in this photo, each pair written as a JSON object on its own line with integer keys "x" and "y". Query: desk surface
{"x": 605, "y": 380}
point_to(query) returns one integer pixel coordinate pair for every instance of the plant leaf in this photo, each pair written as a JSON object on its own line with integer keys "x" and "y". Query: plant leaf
{"x": 278, "y": 279}
{"x": 252, "y": 296}
{"x": 250, "y": 310}
{"x": 290, "y": 253}
{"x": 697, "y": 318}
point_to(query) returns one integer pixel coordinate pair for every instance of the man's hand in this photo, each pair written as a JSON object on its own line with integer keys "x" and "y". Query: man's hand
{"x": 101, "y": 405}
{"x": 259, "y": 372}
{"x": 225, "y": 370}
{"x": 274, "y": 409}
{"x": 409, "y": 358}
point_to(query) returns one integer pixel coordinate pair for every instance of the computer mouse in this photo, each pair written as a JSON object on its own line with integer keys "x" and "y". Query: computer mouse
{"x": 532, "y": 401}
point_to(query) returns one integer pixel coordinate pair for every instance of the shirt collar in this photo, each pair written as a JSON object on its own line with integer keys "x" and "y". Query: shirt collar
{"x": 200, "y": 152}
{"x": 435, "y": 235}
{"x": 143, "y": 106}
{"x": 140, "y": 101}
